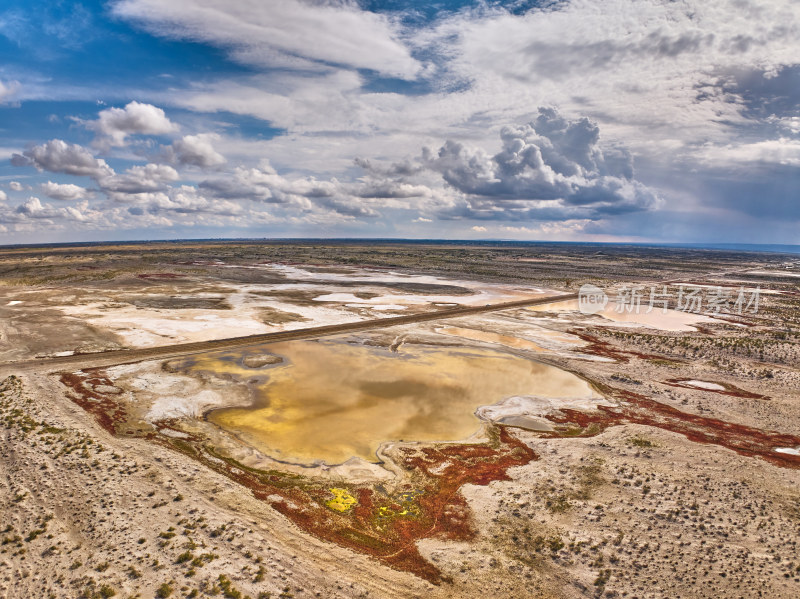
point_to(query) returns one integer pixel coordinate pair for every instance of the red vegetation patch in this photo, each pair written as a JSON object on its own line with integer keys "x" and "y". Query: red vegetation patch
{"x": 598, "y": 347}
{"x": 102, "y": 405}
{"x": 383, "y": 525}
{"x": 387, "y": 527}
{"x": 731, "y": 390}
{"x": 638, "y": 409}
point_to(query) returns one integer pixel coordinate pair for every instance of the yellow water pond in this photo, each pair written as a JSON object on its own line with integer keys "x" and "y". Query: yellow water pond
{"x": 329, "y": 401}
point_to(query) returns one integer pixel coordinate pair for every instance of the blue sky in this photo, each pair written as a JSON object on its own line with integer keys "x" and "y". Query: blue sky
{"x": 645, "y": 120}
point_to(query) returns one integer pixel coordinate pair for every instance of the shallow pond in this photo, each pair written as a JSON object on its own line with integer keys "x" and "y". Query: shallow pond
{"x": 330, "y": 400}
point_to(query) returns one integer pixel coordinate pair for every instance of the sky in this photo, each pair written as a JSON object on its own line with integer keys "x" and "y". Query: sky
{"x": 570, "y": 120}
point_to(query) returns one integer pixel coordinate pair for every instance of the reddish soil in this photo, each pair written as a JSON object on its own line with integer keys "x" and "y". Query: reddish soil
{"x": 638, "y": 409}
{"x": 429, "y": 504}
{"x": 384, "y": 526}
{"x": 102, "y": 406}
{"x": 598, "y": 347}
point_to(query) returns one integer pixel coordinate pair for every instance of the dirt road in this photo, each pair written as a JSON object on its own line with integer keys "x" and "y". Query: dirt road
{"x": 126, "y": 356}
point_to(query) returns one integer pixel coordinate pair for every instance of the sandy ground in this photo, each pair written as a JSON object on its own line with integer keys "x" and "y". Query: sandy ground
{"x": 686, "y": 501}
{"x": 151, "y": 314}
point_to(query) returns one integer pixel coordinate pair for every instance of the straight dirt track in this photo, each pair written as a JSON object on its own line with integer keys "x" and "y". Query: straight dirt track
{"x": 127, "y": 356}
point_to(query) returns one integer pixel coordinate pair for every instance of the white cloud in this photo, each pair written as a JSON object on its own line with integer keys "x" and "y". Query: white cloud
{"x": 181, "y": 200}
{"x": 8, "y": 90}
{"x": 781, "y": 151}
{"x": 16, "y": 185}
{"x": 655, "y": 75}
{"x": 646, "y": 70}
{"x": 33, "y": 212}
{"x": 31, "y": 207}
{"x": 139, "y": 179}
{"x": 790, "y": 124}
{"x": 289, "y": 33}
{"x": 3, "y": 196}
{"x": 302, "y": 194}
{"x": 479, "y": 229}
{"x": 64, "y": 191}
{"x": 195, "y": 150}
{"x": 562, "y": 230}
{"x": 686, "y": 87}
{"x": 550, "y": 169}
{"x": 301, "y": 103}
{"x": 114, "y": 125}
{"x": 58, "y": 156}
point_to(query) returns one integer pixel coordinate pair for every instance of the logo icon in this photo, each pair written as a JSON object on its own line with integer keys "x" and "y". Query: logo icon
{"x": 591, "y": 299}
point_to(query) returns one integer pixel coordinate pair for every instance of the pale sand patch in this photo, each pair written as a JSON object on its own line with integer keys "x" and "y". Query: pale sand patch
{"x": 168, "y": 432}
{"x": 146, "y": 327}
{"x": 673, "y": 320}
{"x": 186, "y": 406}
{"x": 771, "y": 273}
{"x": 141, "y": 326}
{"x": 479, "y": 298}
{"x": 528, "y": 411}
{"x": 704, "y": 385}
{"x": 518, "y": 326}
{"x": 483, "y": 293}
{"x": 378, "y": 307}
{"x": 789, "y": 450}
{"x": 161, "y": 395}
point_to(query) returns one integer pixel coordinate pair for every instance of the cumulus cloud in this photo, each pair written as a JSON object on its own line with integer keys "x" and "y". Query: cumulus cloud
{"x": 114, "y": 125}
{"x": 64, "y": 191}
{"x": 245, "y": 183}
{"x": 385, "y": 189}
{"x": 404, "y": 168}
{"x": 291, "y": 33}
{"x": 549, "y": 169}
{"x": 3, "y": 196}
{"x": 33, "y": 210}
{"x": 305, "y": 194}
{"x": 139, "y": 179}
{"x": 195, "y": 150}
{"x": 704, "y": 95}
{"x": 58, "y": 156}
{"x": 180, "y": 200}
{"x": 31, "y": 207}
{"x": 15, "y": 185}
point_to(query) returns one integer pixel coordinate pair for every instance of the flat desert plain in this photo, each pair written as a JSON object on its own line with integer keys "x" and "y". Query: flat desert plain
{"x": 344, "y": 419}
